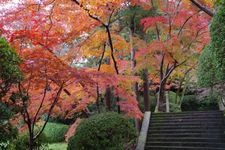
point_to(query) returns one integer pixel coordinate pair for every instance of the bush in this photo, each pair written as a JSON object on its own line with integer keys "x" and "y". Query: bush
{"x": 174, "y": 102}
{"x": 7, "y": 131}
{"x": 55, "y": 132}
{"x": 9, "y": 67}
{"x": 22, "y": 142}
{"x": 190, "y": 103}
{"x": 57, "y": 146}
{"x": 217, "y": 33}
{"x": 209, "y": 103}
{"x": 206, "y": 68}
{"x": 108, "y": 131}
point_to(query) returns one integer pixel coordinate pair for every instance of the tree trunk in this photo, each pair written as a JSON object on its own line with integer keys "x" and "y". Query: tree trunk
{"x": 167, "y": 102}
{"x": 160, "y": 104}
{"x": 31, "y": 139}
{"x": 137, "y": 121}
{"x": 97, "y": 99}
{"x": 135, "y": 85}
{"x": 108, "y": 96}
{"x": 146, "y": 90}
{"x": 162, "y": 101}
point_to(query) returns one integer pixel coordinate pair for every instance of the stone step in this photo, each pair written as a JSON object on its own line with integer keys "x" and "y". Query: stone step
{"x": 188, "y": 117}
{"x": 186, "y": 139}
{"x": 189, "y": 113}
{"x": 201, "y": 124}
{"x": 203, "y": 127}
{"x": 206, "y": 114}
{"x": 158, "y": 116}
{"x": 198, "y": 130}
{"x": 194, "y": 135}
{"x": 167, "y": 131}
{"x": 219, "y": 119}
{"x": 200, "y": 144}
{"x": 181, "y": 148}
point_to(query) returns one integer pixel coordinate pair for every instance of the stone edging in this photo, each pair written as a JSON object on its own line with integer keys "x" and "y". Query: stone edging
{"x": 144, "y": 131}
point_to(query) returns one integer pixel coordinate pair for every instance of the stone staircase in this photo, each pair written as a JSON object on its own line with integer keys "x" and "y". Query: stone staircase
{"x": 203, "y": 130}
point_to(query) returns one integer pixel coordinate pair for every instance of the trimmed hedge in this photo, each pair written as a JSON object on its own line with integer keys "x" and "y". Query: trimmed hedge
{"x": 55, "y": 132}
{"x": 217, "y": 32}
{"x": 108, "y": 131}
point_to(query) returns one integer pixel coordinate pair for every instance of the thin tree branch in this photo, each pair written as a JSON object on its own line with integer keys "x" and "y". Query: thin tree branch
{"x": 101, "y": 59}
{"x": 112, "y": 49}
{"x": 50, "y": 110}
{"x": 157, "y": 31}
{"x": 186, "y": 22}
{"x": 203, "y": 8}
{"x": 89, "y": 13}
{"x": 42, "y": 101}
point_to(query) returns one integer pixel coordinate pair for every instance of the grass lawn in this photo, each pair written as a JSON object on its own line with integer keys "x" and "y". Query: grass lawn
{"x": 57, "y": 146}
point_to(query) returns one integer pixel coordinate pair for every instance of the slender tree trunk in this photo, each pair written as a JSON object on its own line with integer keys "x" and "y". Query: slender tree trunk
{"x": 160, "y": 95}
{"x": 135, "y": 86}
{"x": 31, "y": 143}
{"x": 97, "y": 99}
{"x": 167, "y": 102}
{"x": 118, "y": 106}
{"x": 108, "y": 96}
{"x": 146, "y": 90}
{"x": 31, "y": 138}
{"x": 97, "y": 86}
{"x": 137, "y": 121}
{"x": 160, "y": 105}
{"x": 133, "y": 65}
{"x": 108, "y": 93}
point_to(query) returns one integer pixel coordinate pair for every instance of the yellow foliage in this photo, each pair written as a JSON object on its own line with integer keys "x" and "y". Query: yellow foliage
{"x": 107, "y": 69}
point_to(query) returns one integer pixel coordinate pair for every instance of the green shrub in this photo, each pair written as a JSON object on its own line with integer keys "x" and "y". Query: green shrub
{"x": 209, "y": 103}
{"x": 9, "y": 67}
{"x": 190, "y": 103}
{"x": 206, "y": 68}
{"x": 217, "y": 33}
{"x": 22, "y": 142}
{"x": 7, "y": 131}
{"x": 174, "y": 101}
{"x": 57, "y": 146}
{"x": 55, "y": 132}
{"x": 106, "y": 131}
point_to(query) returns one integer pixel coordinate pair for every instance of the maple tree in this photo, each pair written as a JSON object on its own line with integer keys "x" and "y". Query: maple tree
{"x": 38, "y": 30}
{"x": 179, "y": 35}
{"x": 39, "y": 27}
